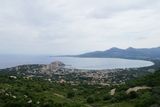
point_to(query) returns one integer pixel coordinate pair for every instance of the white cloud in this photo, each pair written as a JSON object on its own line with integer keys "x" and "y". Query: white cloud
{"x": 76, "y": 26}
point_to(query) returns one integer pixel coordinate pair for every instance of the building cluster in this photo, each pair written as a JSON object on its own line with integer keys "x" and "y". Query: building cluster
{"x": 57, "y": 72}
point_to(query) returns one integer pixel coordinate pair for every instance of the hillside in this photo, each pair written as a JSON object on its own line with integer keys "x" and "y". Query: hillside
{"x": 133, "y": 53}
{"x": 38, "y": 92}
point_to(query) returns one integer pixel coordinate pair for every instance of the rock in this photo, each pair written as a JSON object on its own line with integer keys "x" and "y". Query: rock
{"x": 13, "y": 77}
{"x": 30, "y": 101}
{"x": 38, "y": 102}
{"x": 113, "y": 91}
{"x": 14, "y": 97}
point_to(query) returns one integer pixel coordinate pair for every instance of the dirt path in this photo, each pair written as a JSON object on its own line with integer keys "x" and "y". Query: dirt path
{"x": 135, "y": 89}
{"x": 58, "y": 95}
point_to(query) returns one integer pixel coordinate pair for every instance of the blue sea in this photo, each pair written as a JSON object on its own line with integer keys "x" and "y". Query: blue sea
{"x": 73, "y": 62}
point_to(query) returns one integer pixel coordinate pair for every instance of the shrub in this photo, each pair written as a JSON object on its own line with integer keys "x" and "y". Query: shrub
{"x": 107, "y": 97}
{"x": 133, "y": 95}
{"x": 146, "y": 100}
{"x": 70, "y": 94}
{"x": 90, "y": 100}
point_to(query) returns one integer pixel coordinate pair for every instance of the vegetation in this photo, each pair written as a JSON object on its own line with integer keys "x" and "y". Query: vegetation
{"x": 38, "y": 92}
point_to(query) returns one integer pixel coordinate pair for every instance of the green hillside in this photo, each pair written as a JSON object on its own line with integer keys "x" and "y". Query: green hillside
{"x": 37, "y": 92}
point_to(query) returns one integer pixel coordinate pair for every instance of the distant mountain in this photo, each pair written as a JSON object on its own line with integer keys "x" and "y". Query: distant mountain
{"x": 133, "y": 53}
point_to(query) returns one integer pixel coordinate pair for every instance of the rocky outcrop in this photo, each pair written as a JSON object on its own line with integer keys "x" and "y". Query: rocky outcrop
{"x": 113, "y": 91}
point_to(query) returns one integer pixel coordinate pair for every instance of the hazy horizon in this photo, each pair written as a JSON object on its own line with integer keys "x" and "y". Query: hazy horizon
{"x": 60, "y": 27}
{"x": 48, "y": 54}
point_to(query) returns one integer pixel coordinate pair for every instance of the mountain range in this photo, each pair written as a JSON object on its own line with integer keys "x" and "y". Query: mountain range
{"x": 132, "y": 53}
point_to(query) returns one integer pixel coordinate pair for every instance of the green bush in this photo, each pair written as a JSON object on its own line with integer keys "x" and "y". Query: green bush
{"x": 146, "y": 100}
{"x": 107, "y": 97}
{"x": 133, "y": 95}
{"x": 70, "y": 94}
{"x": 90, "y": 100}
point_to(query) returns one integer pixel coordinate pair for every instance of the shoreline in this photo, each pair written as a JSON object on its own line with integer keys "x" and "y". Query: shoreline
{"x": 83, "y": 66}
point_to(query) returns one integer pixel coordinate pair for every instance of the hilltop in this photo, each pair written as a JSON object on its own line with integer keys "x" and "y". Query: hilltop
{"x": 132, "y": 53}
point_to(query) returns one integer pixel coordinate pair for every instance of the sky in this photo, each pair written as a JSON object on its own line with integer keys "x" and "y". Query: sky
{"x": 59, "y": 27}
